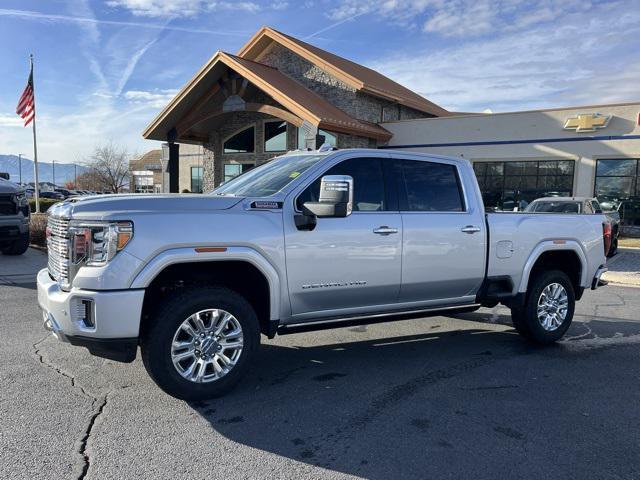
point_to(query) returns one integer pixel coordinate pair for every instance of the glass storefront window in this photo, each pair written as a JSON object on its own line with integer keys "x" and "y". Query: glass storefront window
{"x": 196, "y": 179}
{"x": 617, "y": 184}
{"x": 275, "y": 136}
{"x": 514, "y": 184}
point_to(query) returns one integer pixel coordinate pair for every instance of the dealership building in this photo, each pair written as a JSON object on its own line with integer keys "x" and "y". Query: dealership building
{"x": 279, "y": 93}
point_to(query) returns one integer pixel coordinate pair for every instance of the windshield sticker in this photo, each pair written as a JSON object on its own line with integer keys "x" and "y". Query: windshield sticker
{"x": 294, "y": 174}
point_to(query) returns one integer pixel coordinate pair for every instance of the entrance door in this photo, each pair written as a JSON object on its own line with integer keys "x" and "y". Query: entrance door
{"x": 349, "y": 264}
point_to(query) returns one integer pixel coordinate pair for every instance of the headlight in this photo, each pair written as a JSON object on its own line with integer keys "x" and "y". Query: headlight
{"x": 95, "y": 243}
{"x": 21, "y": 199}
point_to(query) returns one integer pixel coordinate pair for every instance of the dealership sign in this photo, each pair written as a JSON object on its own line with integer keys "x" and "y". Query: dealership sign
{"x": 587, "y": 122}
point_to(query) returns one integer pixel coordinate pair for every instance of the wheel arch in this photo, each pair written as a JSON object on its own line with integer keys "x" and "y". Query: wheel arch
{"x": 240, "y": 268}
{"x": 567, "y": 257}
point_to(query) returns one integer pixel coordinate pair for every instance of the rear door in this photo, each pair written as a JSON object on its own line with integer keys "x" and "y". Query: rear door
{"x": 444, "y": 232}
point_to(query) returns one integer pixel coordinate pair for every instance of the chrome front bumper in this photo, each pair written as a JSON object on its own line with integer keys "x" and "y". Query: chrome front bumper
{"x": 597, "y": 280}
{"x": 115, "y": 314}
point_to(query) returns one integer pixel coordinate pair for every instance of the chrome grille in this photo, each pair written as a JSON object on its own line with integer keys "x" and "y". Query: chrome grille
{"x": 58, "y": 249}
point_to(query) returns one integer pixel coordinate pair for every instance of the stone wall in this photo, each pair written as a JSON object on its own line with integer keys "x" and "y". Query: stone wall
{"x": 214, "y": 158}
{"x": 359, "y": 105}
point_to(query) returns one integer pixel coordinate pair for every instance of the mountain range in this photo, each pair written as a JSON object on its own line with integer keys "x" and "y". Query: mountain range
{"x": 64, "y": 172}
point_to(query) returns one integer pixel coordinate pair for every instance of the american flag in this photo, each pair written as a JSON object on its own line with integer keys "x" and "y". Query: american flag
{"x": 27, "y": 104}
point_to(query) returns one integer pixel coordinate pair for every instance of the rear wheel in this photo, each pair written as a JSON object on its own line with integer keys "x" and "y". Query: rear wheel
{"x": 17, "y": 247}
{"x": 548, "y": 309}
{"x": 200, "y": 342}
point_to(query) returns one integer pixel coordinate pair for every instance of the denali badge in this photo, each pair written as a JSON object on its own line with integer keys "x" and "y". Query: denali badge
{"x": 265, "y": 205}
{"x": 355, "y": 283}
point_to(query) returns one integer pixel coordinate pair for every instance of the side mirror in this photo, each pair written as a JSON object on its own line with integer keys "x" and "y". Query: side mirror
{"x": 336, "y": 198}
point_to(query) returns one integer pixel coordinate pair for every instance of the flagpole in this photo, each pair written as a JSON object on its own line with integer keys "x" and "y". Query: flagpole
{"x": 35, "y": 146}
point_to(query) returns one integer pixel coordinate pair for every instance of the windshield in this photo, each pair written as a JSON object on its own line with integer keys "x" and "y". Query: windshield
{"x": 554, "y": 207}
{"x": 269, "y": 178}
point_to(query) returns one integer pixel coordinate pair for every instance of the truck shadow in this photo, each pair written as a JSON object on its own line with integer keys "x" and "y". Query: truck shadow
{"x": 383, "y": 408}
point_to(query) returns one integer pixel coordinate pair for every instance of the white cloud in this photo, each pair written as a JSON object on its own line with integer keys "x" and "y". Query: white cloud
{"x": 10, "y": 121}
{"x": 188, "y": 8}
{"x": 153, "y": 99}
{"x": 460, "y": 18}
{"x": 88, "y": 20}
{"x": 579, "y": 59}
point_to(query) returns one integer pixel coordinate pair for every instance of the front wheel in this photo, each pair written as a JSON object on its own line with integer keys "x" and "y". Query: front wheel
{"x": 18, "y": 247}
{"x": 200, "y": 342}
{"x": 548, "y": 309}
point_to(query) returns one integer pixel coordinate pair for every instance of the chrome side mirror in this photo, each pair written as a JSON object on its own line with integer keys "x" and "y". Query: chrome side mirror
{"x": 335, "y": 200}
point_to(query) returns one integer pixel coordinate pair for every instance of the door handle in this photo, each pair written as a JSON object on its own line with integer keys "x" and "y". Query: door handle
{"x": 384, "y": 230}
{"x": 470, "y": 229}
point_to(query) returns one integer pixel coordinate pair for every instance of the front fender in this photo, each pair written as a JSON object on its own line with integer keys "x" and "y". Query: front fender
{"x": 189, "y": 255}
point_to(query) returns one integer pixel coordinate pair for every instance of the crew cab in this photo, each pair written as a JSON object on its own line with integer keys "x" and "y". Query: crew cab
{"x": 15, "y": 215}
{"x": 310, "y": 240}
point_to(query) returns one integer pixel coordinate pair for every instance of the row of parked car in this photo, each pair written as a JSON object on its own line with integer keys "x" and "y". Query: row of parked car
{"x": 61, "y": 193}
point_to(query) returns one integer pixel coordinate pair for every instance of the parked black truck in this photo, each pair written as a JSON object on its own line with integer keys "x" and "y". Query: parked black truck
{"x": 14, "y": 218}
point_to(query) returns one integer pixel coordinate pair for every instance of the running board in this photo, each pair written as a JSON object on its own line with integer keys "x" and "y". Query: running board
{"x": 342, "y": 322}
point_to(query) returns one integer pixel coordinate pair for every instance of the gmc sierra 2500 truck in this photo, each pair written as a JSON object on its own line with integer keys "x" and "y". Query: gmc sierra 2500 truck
{"x": 307, "y": 241}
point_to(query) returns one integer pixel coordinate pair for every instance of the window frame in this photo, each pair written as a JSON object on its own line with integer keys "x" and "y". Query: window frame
{"x": 264, "y": 135}
{"x": 230, "y": 136}
{"x": 403, "y": 196}
{"x": 390, "y": 191}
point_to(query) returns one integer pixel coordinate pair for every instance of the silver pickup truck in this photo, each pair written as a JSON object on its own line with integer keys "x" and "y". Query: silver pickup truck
{"x": 310, "y": 240}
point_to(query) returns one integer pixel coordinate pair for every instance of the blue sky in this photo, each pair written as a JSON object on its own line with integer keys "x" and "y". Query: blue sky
{"x": 104, "y": 68}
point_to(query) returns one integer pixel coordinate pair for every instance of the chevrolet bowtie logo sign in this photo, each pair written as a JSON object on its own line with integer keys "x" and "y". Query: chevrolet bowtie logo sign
{"x": 587, "y": 122}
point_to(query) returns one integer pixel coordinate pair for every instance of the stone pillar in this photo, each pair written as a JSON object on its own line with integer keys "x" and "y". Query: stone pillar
{"x": 310, "y": 132}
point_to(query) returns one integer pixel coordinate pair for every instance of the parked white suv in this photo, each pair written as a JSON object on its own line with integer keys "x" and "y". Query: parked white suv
{"x": 310, "y": 240}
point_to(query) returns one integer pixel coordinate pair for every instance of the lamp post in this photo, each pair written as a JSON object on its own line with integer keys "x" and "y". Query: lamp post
{"x": 20, "y": 167}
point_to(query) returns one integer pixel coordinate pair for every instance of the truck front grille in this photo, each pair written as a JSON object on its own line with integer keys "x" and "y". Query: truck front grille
{"x": 58, "y": 249}
{"x": 8, "y": 205}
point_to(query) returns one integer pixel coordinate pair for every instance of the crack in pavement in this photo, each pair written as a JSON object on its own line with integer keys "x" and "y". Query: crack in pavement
{"x": 98, "y": 405}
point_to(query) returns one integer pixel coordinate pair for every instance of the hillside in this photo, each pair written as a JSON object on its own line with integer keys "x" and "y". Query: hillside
{"x": 64, "y": 171}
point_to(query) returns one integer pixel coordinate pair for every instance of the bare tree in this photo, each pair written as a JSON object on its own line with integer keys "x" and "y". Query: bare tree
{"x": 109, "y": 167}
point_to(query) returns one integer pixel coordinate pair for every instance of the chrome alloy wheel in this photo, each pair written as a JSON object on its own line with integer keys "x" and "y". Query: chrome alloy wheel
{"x": 553, "y": 305}
{"x": 207, "y": 345}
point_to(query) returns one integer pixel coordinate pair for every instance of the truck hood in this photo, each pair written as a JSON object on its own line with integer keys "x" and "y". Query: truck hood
{"x": 100, "y": 207}
{"x": 9, "y": 187}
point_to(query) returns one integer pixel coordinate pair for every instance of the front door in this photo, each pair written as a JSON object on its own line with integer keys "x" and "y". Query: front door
{"x": 346, "y": 265}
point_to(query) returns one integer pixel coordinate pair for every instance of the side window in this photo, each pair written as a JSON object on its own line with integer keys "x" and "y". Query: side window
{"x": 432, "y": 187}
{"x": 368, "y": 184}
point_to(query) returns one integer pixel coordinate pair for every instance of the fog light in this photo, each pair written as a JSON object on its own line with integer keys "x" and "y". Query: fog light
{"x": 84, "y": 313}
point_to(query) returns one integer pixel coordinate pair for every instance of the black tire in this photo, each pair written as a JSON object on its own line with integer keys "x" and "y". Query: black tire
{"x": 159, "y": 331}
{"x": 525, "y": 318}
{"x": 614, "y": 248}
{"x": 18, "y": 247}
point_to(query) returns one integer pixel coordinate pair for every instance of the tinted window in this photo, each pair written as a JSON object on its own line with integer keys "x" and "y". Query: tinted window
{"x": 275, "y": 136}
{"x": 368, "y": 184}
{"x": 432, "y": 187}
{"x": 241, "y": 142}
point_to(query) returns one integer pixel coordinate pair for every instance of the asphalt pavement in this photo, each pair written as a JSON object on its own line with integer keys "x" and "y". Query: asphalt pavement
{"x": 433, "y": 398}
